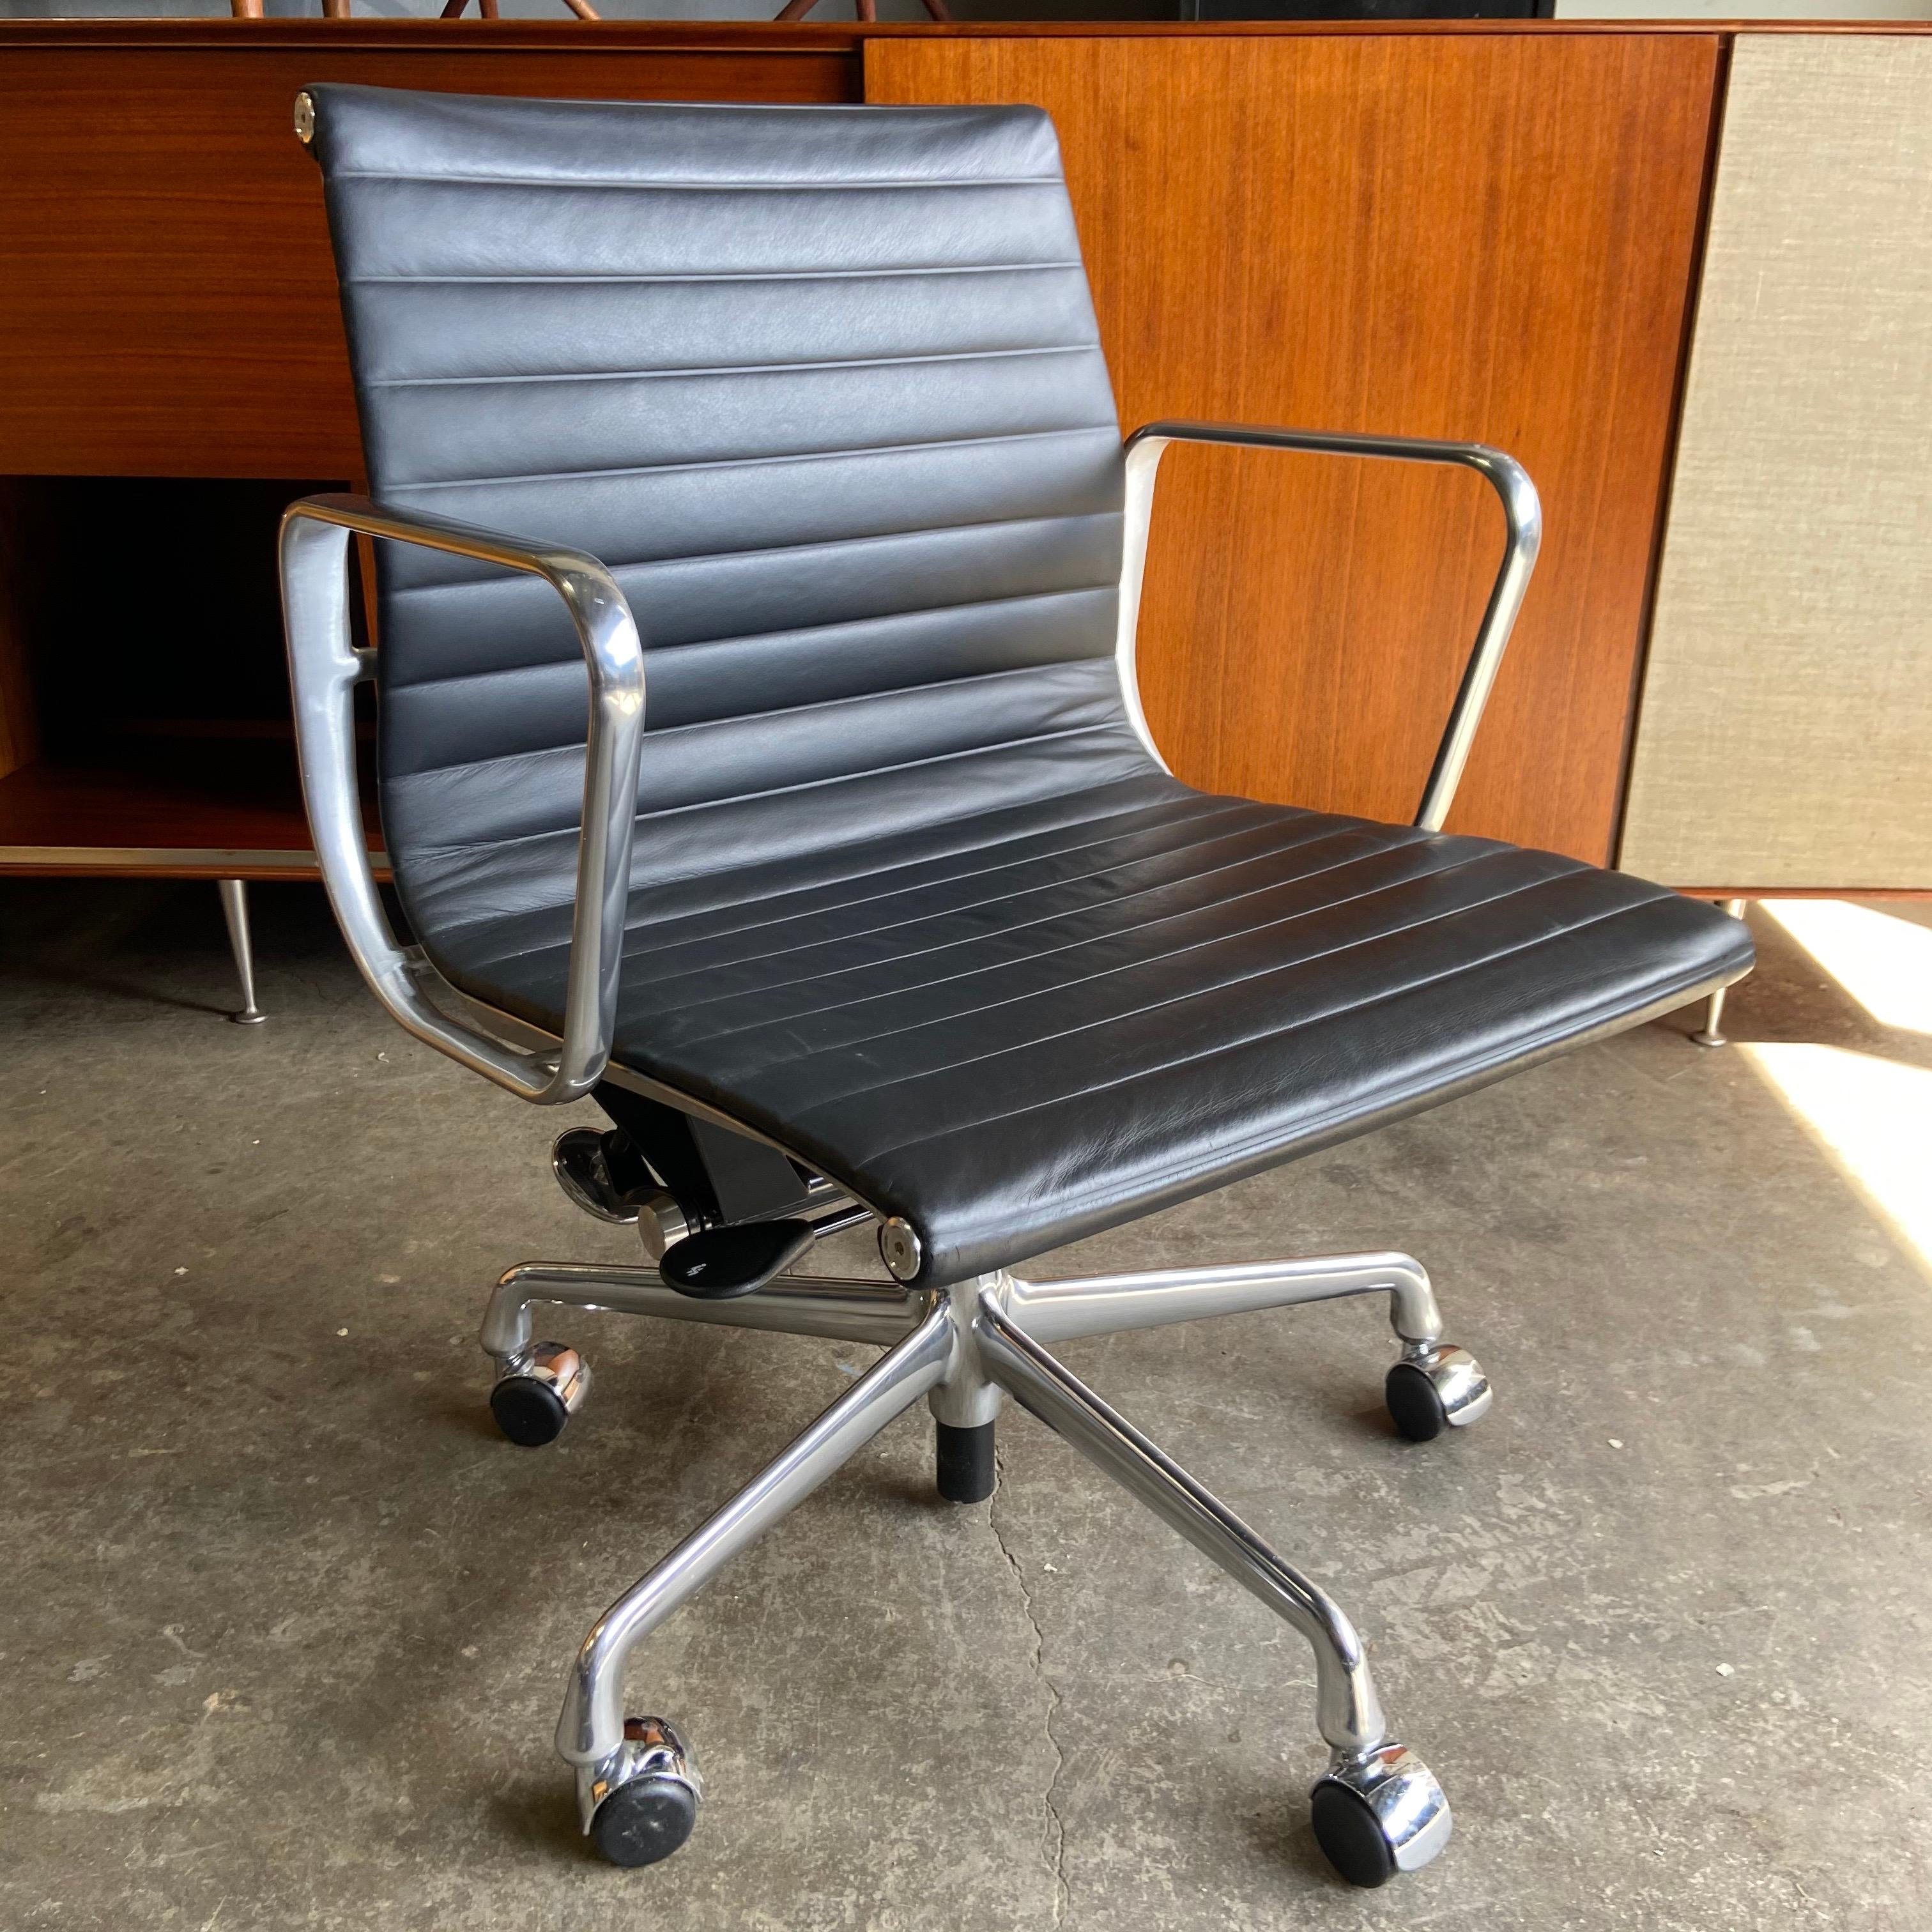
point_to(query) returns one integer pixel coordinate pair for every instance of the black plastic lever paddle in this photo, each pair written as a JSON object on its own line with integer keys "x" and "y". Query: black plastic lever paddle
{"x": 720, "y": 1262}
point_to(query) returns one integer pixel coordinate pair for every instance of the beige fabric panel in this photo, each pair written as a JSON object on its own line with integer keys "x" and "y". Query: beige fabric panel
{"x": 1785, "y": 733}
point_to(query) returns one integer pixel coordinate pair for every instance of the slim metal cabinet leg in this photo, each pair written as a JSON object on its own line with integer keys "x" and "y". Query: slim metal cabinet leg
{"x": 1712, "y": 1033}
{"x": 235, "y": 910}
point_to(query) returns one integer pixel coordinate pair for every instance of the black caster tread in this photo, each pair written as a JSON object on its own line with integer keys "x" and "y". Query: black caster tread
{"x": 529, "y": 1412}
{"x": 1413, "y": 1405}
{"x": 1350, "y": 1836}
{"x": 644, "y": 1821}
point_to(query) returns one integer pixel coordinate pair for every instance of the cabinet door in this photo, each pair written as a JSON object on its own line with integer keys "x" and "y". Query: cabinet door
{"x": 1784, "y": 738}
{"x": 1473, "y": 235}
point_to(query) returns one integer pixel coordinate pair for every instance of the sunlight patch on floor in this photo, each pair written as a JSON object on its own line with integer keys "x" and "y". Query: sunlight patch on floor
{"x": 1873, "y": 1117}
{"x": 1884, "y": 963}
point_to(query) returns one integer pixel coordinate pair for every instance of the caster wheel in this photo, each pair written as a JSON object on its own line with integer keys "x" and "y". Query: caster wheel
{"x": 532, "y": 1405}
{"x": 1377, "y": 1816}
{"x": 1444, "y": 1389}
{"x": 646, "y": 1797}
{"x": 1350, "y": 1836}
{"x": 641, "y": 1822}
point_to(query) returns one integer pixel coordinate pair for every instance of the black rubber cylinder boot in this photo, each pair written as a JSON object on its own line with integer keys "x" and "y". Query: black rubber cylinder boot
{"x": 966, "y": 1463}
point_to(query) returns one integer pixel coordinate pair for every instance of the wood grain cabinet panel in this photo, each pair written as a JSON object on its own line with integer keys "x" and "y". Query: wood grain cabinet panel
{"x": 168, "y": 310}
{"x": 169, "y": 303}
{"x": 1785, "y": 736}
{"x": 1488, "y": 236}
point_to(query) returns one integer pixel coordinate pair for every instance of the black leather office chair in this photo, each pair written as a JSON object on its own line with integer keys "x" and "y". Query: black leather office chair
{"x": 886, "y": 908}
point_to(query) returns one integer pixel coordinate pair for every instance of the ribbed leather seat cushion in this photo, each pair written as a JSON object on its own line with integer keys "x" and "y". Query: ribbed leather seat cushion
{"x": 1018, "y": 1023}
{"x": 910, "y": 895}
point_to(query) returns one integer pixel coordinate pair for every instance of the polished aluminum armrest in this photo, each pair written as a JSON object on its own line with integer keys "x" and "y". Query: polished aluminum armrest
{"x": 324, "y": 668}
{"x": 1522, "y": 516}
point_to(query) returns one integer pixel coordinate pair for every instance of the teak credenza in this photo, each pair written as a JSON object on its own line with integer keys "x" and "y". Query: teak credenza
{"x": 1493, "y": 229}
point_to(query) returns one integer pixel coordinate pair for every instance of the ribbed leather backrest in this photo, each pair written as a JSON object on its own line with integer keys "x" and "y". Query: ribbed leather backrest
{"x": 821, "y": 386}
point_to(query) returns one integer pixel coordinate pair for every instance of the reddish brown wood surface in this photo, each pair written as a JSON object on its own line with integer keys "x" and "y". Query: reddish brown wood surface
{"x": 170, "y": 304}
{"x": 1483, "y": 236}
{"x": 1472, "y": 231}
{"x": 223, "y": 810}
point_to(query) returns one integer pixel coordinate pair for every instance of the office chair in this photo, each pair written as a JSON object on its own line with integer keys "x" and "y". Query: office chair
{"x": 886, "y": 908}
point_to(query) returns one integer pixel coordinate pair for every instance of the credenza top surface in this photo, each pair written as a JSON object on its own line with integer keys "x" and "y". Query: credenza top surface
{"x": 502, "y": 35}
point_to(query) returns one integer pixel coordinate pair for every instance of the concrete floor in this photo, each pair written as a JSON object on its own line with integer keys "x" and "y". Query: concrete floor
{"x": 285, "y": 1623}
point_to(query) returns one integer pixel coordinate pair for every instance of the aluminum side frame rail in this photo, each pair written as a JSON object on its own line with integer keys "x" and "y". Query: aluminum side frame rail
{"x": 324, "y": 669}
{"x": 1522, "y": 514}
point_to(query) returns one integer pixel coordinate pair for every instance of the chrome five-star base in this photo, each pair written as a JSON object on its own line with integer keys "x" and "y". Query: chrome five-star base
{"x": 1377, "y": 1808}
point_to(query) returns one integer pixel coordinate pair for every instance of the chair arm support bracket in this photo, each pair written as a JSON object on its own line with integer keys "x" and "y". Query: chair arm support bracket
{"x": 324, "y": 668}
{"x": 1522, "y": 515}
